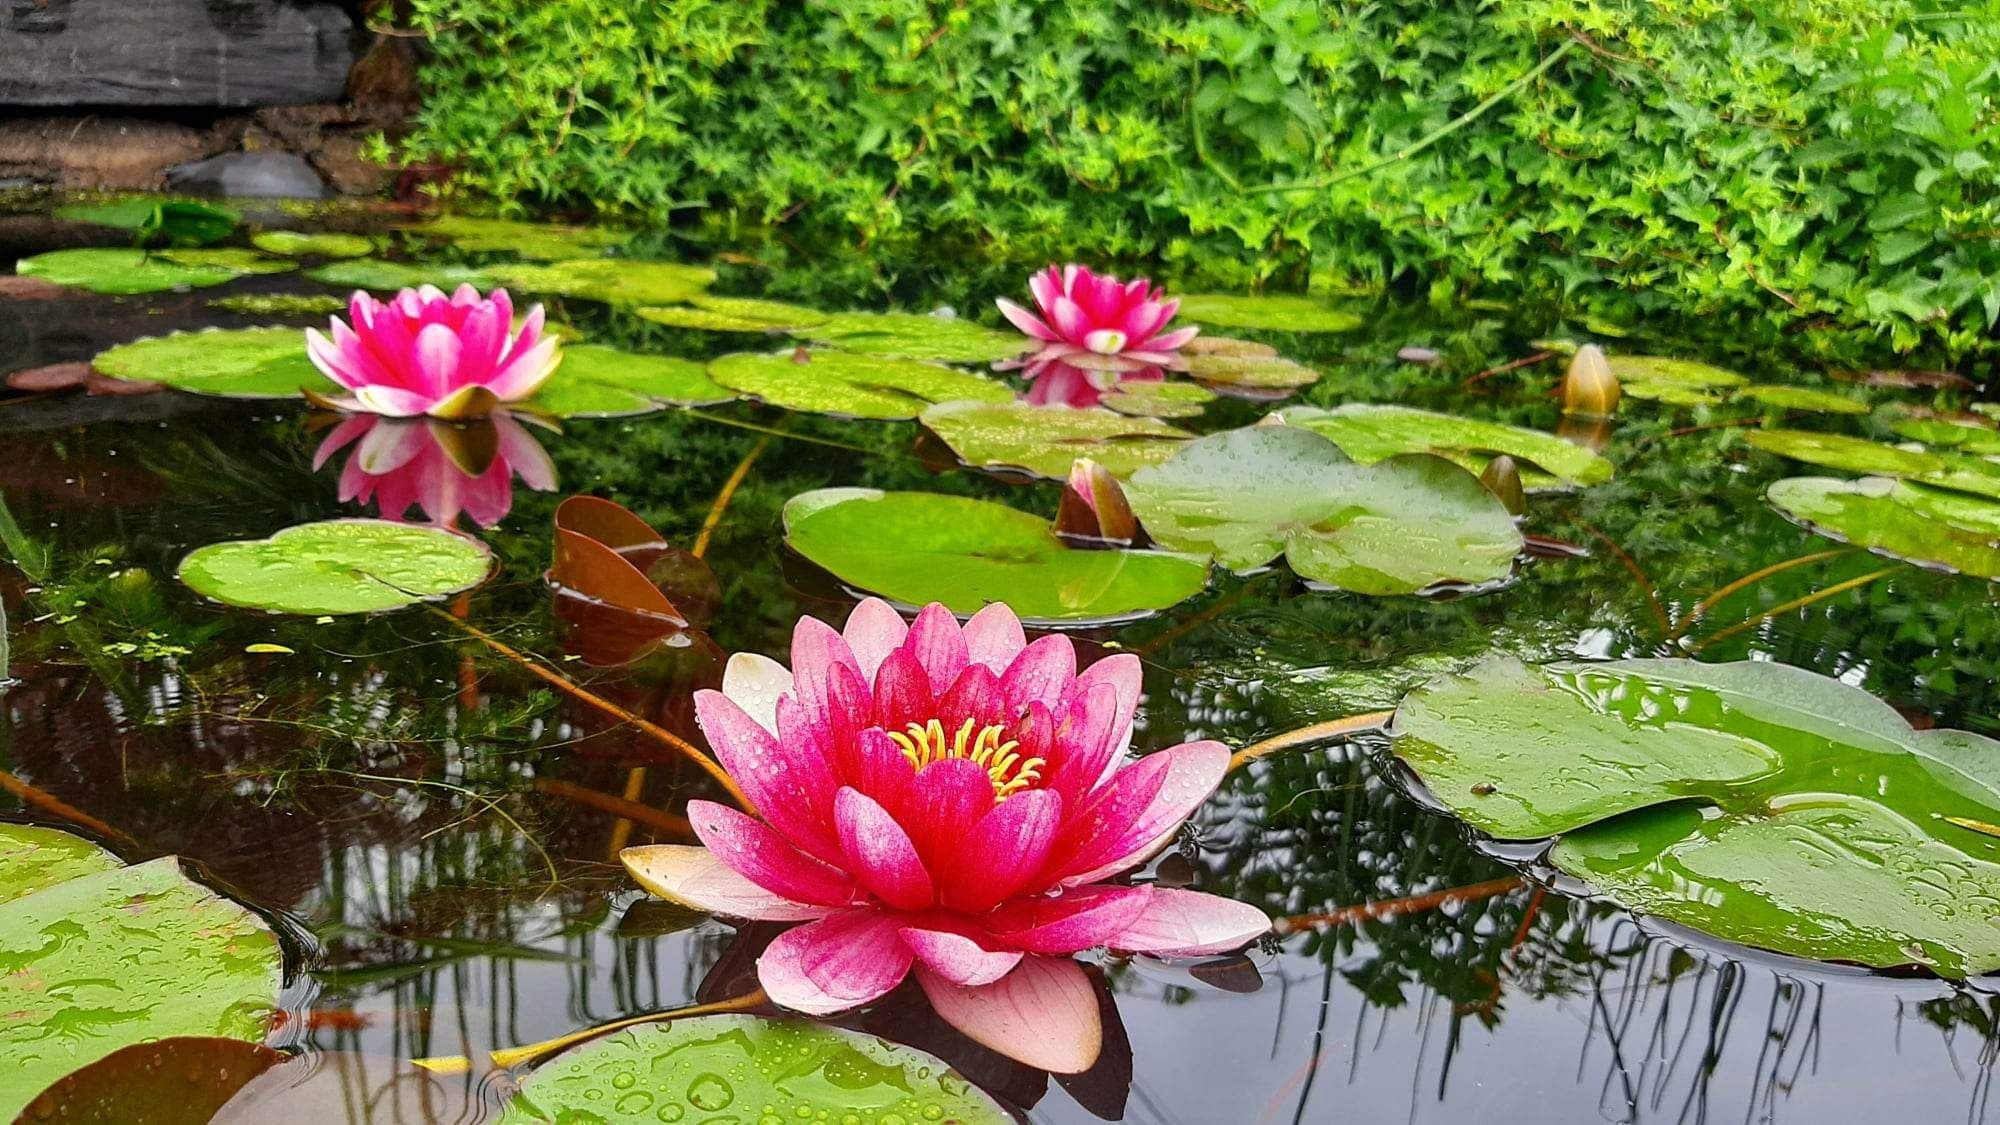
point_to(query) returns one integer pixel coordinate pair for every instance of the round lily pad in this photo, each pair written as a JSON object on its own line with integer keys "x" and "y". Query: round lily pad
{"x": 1157, "y": 398}
{"x": 1970, "y": 436}
{"x": 239, "y": 363}
{"x": 338, "y": 566}
{"x": 187, "y": 222}
{"x": 1394, "y": 527}
{"x": 1838, "y": 451}
{"x": 920, "y": 547}
{"x": 379, "y": 276}
{"x": 735, "y": 314}
{"x": 945, "y": 339}
{"x": 1672, "y": 394}
{"x": 1369, "y": 432}
{"x": 1663, "y": 370}
{"x": 1255, "y": 376}
{"x": 124, "y": 271}
{"x": 103, "y": 957}
{"x": 855, "y": 386}
{"x": 614, "y": 281}
{"x": 1764, "y": 804}
{"x": 595, "y": 382}
{"x": 299, "y": 244}
{"x": 1043, "y": 440}
{"x": 1941, "y": 528}
{"x": 1278, "y": 313}
{"x": 745, "y": 1068}
{"x": 544, "y": 241}
{"x": 1803, "y": 398}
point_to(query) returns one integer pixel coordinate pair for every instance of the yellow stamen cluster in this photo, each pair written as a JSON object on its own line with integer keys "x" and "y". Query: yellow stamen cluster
{"x": 924, "y": 743}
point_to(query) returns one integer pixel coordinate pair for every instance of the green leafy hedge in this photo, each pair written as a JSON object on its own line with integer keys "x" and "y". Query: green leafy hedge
{"x": 1791, "y": 162}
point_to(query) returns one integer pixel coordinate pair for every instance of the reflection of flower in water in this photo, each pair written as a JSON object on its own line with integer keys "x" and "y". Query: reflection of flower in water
{"x": 441, "y": 468}
{"x": 951, "y": 803}
{"x": 1064, "y": 384}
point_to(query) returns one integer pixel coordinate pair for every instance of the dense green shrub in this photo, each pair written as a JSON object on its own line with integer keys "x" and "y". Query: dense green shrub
{"x": 1791, "y": 162}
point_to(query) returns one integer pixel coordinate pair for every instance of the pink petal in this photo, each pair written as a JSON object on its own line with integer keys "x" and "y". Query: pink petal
{"x": 759, "y": 854}
{"x": 696, "y": 878}
{"x": 880, "y": 853}
{"x": 948, "y": 799}
{"x": 789, "y": 790}
{"x": 993, "y": 637}
{"x": 394, "y": 402}
{"x": 327, "y": 356}
{"x": 1040, "y": 672}
{"x": 754, "y": 682}
{"x": 1084, "y": 741}
{"x": 1081, "y": 919}
{"x": 520, "y": 376}
{"x": 975, "y": 696}
{"x": 839, "y": 962}
{"x": 439, "y": 351}
{"x": 938, "y": 644}
{"x": 1179, "y": 923}
{"x": 959, "y": 958}
{"x": 873, "y": 631}
{"x": 1046, "y": 286}
{"x": 524, "y": 455}
{"x": 1024, "y": 320}
{"x": 1044, "y": 1013}
{"x": 815, "y": 649}
{"x": 392, "y": 445}
{"x": 1124, "y": 673}
{"x": 351, "y": 427}
{"x": 1193, "y": 770}
{"x": 1069, "y": 321}
{"x": 903, "y": 692}
{"x": 1174, "y": 340}
{"x": 1002, "y": 852}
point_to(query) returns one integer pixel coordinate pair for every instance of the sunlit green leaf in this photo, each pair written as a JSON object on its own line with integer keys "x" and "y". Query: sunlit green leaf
{"x": 338, "y": 566}
{"x": 1937, "y": 527}
{"x": 1369, "y": 432}
{"x": 1277, "y": 313}
{"x": 917, "y": 336}
{"x": 857, "y": 386}
{"x": 1043, "y": 440}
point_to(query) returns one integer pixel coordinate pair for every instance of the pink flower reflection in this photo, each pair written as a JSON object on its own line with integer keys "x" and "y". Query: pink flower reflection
{"x": 441, "y": 468}
{"x": 1063, "y": 384}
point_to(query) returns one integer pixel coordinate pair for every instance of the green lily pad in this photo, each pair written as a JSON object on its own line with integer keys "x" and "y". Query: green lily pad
{"x": 126, "y": 271}
{"x": 1803, "y": 398}
{"x": 280, "y": 304}
{"x": 299, "y": 244}
{"x": 1964, "y": 472}
{"x": 187, "y": 222}
{"x": 1964, "y": 435}
{"x": 851, "y": 385}
{"x": 1942, "y": 528}
{"x": 1661, "y": 370}
{"x": 98, "y": 957}
{"x": 34, "y": 859}
{"x": 1369, "y": 432}
{"x": 1157, "y": 399}
{"x": 1258, "y": 376}
{"x": 600, "y": 382}
{"x": 735, "y": 314}
{"x": 1672, "y": 394}
{"x": 1043, "y": 440}
{"x": 338, "y": 566}
{"x": 944, "y": 339}
{"x": 614, "y": 281}
{"x": 1278, "y": 313}
{"x": 543, "y": 241}
{"x": 921, "y": 547}
{"x": 379, "y": 276}
{"x": 1764, "y": 804}
{"x": 745, "y": 1068}
{"x": 1394, "y": 527}
{"x": 238, "y": 363}
{"x": 1838, "y": 451}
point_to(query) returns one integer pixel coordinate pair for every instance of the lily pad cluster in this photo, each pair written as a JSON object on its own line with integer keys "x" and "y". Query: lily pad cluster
{"x": 1686, "y": 382}
{"x": 1763, "y": 804}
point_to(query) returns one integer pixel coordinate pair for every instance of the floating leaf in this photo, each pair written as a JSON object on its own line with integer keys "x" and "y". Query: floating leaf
{"x": 130, "y": 271}
{"x": 1672, "y": 394}
{"x": 179, "y": 1081}
{"x": 1157, "y": 398}
{"x": 186, "y": 222}
{"x": 380, "y": 276}
{"x": 1043, "y": 440}
{"x": 855, "y": 386}
{"x": 338, "y": 566}
{"x": 1838, "y": 451}
{"x": 239, "y": 363}
{"x": 735, "y": 314}
{"x": 1764, "y": 804}
{"x": 614, "y": 281}
{"x": 280, "y": 304}
{"x": 299, "y": 244}
{"x": 544, "y": 241}
{"x": 100, "y": 957}
{"x": 596, "y": 382}
{"x": 1659, "y": 370}
{"x": 919, "y": 547}
{"x": 1253, "y": 376}
{"x": 1369, "y": 432}
{"x": 945, "y": 339}
{"x": 33, "y": 859}
{"x": 1936, "y": 527}
{"x": 1280, "y": 313}
{"x": 724, "y": 1068}
{"x": 1970, "y": 436}
{"x": 1803, "y": 398}
{"x": 1394, "y": 527}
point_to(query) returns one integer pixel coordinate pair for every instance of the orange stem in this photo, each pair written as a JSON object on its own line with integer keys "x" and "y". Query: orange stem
{"x": 1415, "y": 904}
{"x": 1304, "y": 736}
{"x": 56, "y": 806}
{"x": 727, "y": 494}
{"x": 626, "y": 809}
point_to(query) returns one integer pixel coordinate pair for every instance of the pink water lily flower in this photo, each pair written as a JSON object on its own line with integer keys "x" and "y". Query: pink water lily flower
{"x": 1095, "y": 321}
{"x": 425, "y": 353}
{"x": 442, "y": 469}
{"x": 949, "y": 801}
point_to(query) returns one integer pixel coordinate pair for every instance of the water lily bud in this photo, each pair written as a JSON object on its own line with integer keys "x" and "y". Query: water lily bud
{"x": 1503, "y": 479}
{"x": 1590, "y": 389}
{"x": 1094, "y": 512}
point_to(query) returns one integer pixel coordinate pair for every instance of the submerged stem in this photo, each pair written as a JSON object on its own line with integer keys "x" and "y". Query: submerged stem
{"x": 1710, "y": 602}
{"x": 1795, "y": 603}
{"x": 518, "y": 1056}
{"x": 56, "y": 806}
{"x": 1414, "y": 904}
{"x": 727, "y": 494}
{"x": 1305, "y": 736}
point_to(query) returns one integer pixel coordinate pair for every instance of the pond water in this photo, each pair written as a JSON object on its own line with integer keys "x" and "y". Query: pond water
{"x": 434, "y": 831}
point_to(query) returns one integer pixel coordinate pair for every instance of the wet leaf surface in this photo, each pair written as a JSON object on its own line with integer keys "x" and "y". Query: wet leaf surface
{"x": 238, "y": 363}
{"x": 1158, "y": 398}
{"x": 1764, "y": 804}
{"x": 299, "y": 244}
{"x": 541, "y": 241}
{"x": 1838, "y": 451}
{"x": 1803, "y": 398}
{"x": 1367, "y": 432}
{"x": 919, "y": 547}
{"x": 614, "y": 281}
{"x": 1044, "y": 440}
{"x": 713, "y": 1068}
{"x": 1666, "y": 371}
{"x": 1394, "y": 527}
{"x": 177, "y": 1081}
{"x": 916, "y": 336}
{"x": 850, "y": 385}
{"x": 130, "y": 271}
{"x": 338, "y": 566}
{"x": 1250, "y": 376}
{"x": 735, "y": 314}
{"x": 1941, "y": 528}
{"x": 1281, "y": 313}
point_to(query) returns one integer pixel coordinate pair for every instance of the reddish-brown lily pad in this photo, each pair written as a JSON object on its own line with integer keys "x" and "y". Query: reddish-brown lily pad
{"x": 177, "y": 1081}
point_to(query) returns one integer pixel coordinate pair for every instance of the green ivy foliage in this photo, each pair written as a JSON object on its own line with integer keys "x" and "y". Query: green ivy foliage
{"x": 1781, "y": 163}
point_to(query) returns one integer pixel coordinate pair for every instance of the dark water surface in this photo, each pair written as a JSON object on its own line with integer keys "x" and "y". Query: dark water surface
{"x": 405, "y": 805}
